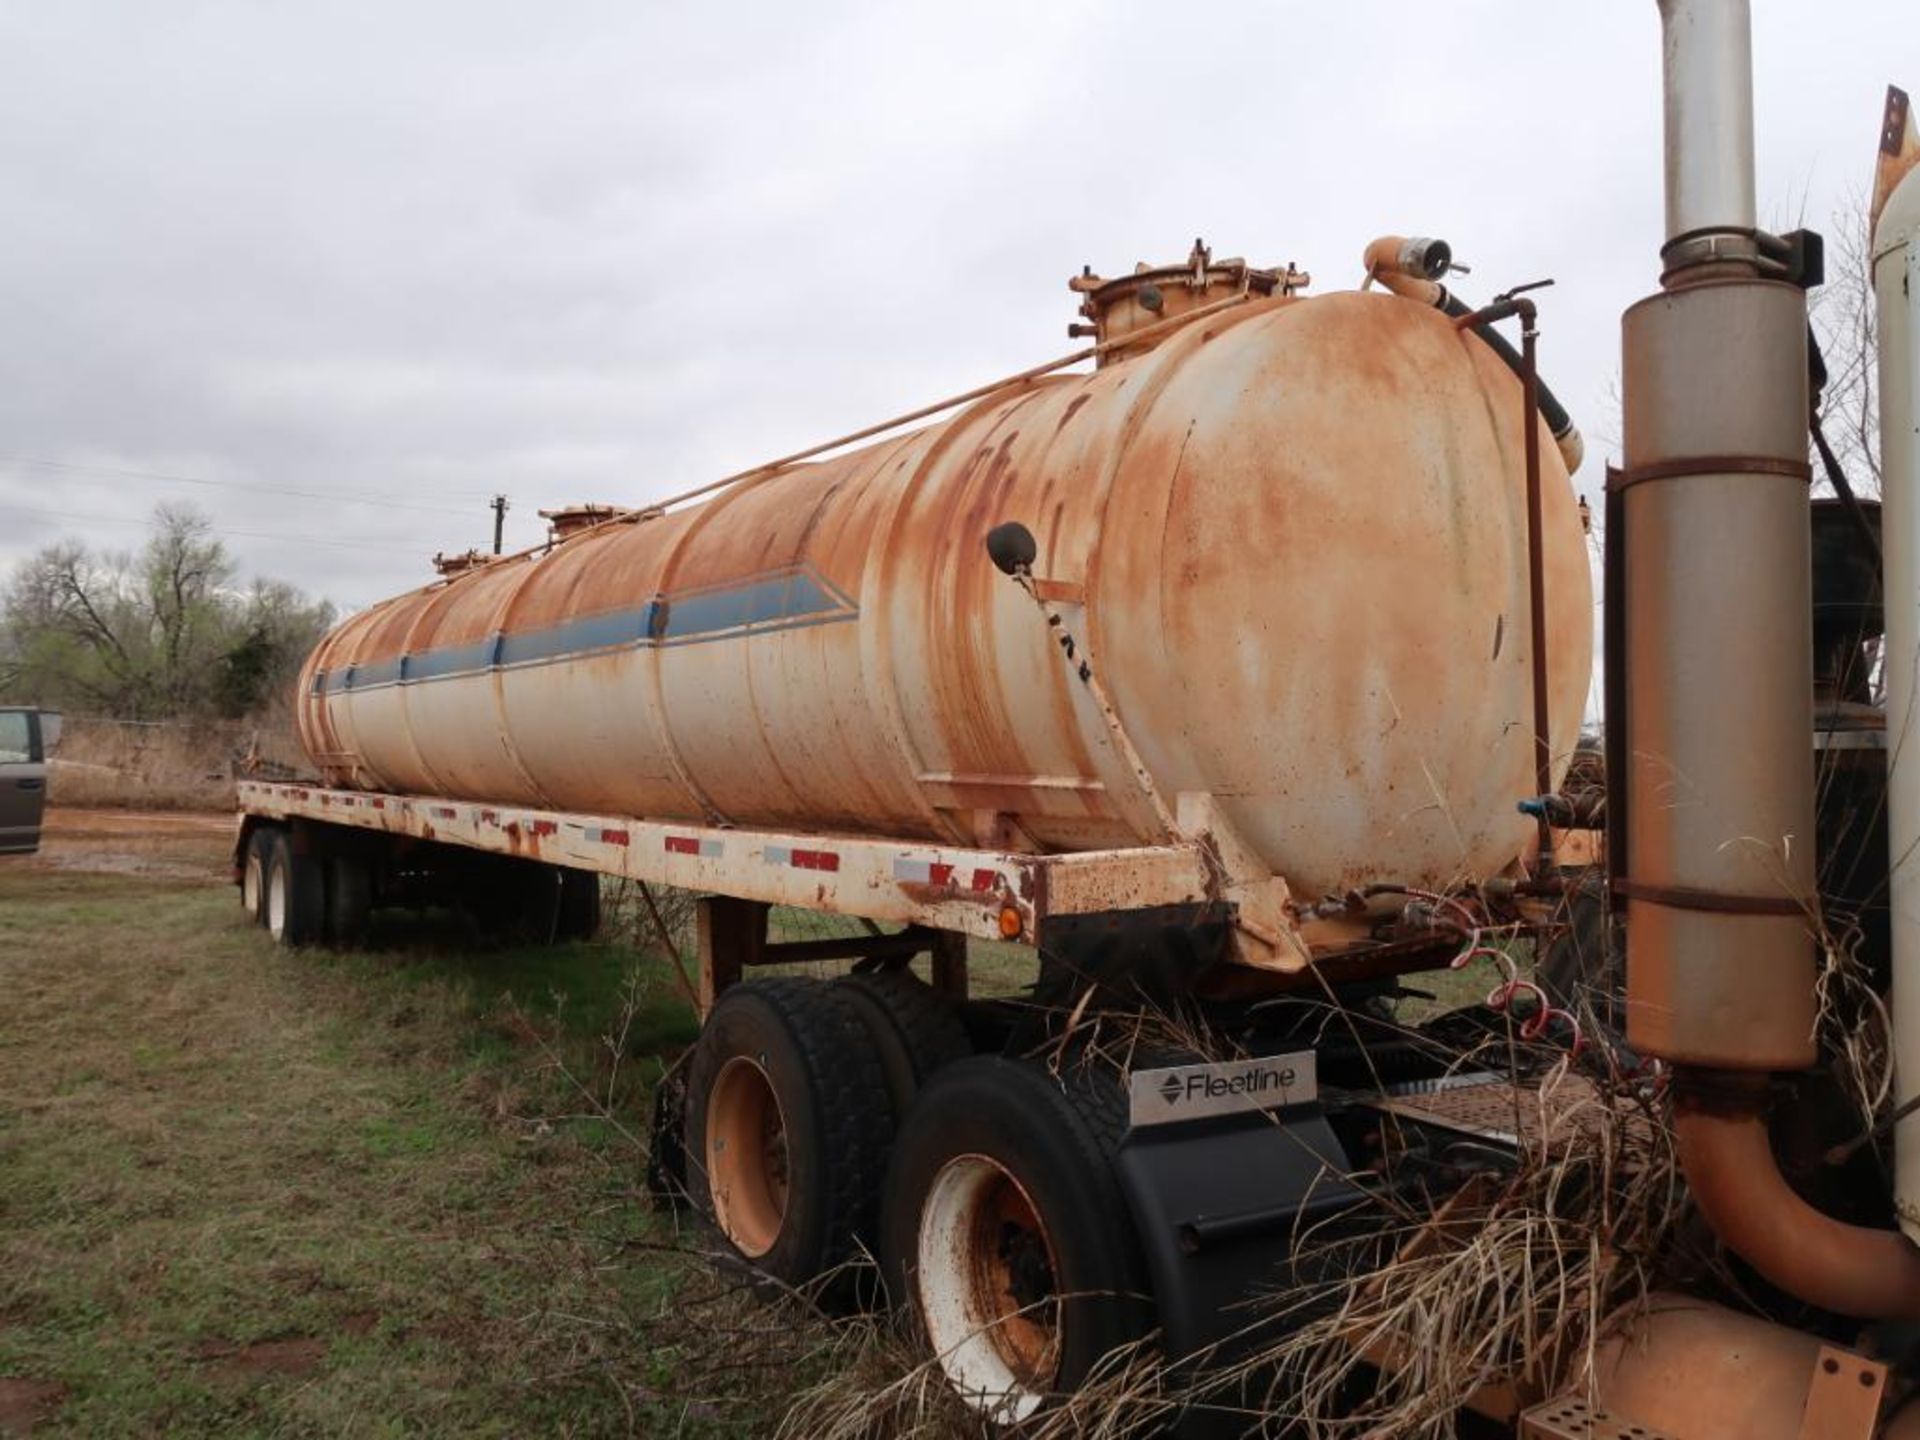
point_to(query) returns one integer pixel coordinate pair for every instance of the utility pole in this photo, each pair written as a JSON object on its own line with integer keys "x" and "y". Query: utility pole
{"x": 499, "y": 520}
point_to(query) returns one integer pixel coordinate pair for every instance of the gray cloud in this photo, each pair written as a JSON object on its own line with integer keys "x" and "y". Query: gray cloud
{"x": 613, "y": 250}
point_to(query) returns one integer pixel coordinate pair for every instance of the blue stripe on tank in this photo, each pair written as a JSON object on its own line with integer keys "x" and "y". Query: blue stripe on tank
{"x": 781, "y": 600}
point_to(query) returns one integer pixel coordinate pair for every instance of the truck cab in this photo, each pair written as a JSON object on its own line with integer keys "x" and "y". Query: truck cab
{"x": 26, "y": 734}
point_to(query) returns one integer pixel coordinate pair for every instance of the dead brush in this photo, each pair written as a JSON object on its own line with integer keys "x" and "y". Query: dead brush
{"x": 1854, "y": 1029}
{"x": 1504, "y": 1288}
{"x": 1393, "y": 1317}
{"x": 1397, "y": 1314}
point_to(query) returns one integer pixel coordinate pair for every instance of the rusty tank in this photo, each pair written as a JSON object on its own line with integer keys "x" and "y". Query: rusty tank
{"x": 1291, "y": 530}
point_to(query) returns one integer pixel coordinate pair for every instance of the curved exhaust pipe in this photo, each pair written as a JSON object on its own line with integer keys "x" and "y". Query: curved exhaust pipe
{"x": 1728, "y": 1160}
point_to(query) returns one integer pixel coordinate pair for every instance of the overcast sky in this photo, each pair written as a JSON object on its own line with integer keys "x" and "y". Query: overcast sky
{"x": 406, "y": 255}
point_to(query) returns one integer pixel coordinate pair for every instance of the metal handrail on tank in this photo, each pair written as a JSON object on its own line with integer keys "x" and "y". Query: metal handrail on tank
{"x": 771, "y": 468}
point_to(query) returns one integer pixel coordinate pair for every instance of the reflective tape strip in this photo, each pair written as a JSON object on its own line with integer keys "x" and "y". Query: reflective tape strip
{"x": 693, "y": 845}
{"x": 801, "y": 859}
{"x": 922, "y": 872}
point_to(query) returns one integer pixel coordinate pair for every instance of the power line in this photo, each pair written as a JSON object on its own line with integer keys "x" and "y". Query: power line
{"x": 215, "y": 530}
{"x": 366, "y": 496}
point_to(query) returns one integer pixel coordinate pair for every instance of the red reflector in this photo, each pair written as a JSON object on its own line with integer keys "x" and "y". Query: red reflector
{"x": 938, "y": 874}
{"x": 613, "y": 837}
{"x": 544, "y": 827}
{"x": 443, "y": 812}
{"x": 984, "y": 879}
{"x": 816, "y": 860}
{"x": 682, "y": 845}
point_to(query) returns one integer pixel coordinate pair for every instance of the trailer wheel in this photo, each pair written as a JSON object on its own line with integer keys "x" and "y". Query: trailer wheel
{"x": 296, "y": 894}
{"x": 1006, "y": 1236}
{"x": 512, "y": 901}
{"x": 253, "y": 875}
{"x": 914, "y": 1029}
{"x": 787, "y": 1127}
{"x": 349, "y": 900}
{"x": 579, "y": 917}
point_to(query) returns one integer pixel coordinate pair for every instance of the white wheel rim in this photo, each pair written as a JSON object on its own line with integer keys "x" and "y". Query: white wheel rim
{"x": 250, "y": 885}
{"x": 277, "y": 902}
{"x": 997, "y": 1339}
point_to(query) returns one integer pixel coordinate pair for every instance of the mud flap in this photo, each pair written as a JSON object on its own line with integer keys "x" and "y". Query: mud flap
{"x": 1245, "y": 1215}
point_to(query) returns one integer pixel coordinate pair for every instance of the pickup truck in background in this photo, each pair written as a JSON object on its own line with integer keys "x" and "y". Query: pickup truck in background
{"x": 26, "y": 735}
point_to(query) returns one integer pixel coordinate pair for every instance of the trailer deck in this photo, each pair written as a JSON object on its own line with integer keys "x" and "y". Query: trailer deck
{"x": 987, "y": 894}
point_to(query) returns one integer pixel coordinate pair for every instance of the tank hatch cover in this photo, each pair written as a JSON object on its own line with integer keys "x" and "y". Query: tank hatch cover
{"x": 1152, "y": 295}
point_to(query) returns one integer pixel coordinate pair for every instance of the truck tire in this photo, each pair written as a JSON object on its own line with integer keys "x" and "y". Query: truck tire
{"x": 787, "y": 1128}
{"x": 349, "y": 900}
{"x": 296, "y": 894}
{"x": 512, "y": 901}
{"x": 1005, "y": 1236}
{"x": 914, "y": 1029}
{"x": 579, "y": 917}
{"x": 253, "y": 874}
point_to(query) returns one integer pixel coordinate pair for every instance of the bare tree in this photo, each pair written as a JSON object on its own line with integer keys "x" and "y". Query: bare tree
{"x": 1843, "y": 319}
{"x": 160, "y": 633}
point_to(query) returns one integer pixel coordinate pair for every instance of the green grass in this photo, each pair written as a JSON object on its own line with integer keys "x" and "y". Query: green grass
{"x": 249, "y": 1192}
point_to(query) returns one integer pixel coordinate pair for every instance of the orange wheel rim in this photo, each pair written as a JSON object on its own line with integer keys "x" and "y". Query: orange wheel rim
{"x": 747, "y": 1156}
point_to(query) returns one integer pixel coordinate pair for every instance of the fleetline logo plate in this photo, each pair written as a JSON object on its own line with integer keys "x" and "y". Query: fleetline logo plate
{"x": 1225, "y": 1087}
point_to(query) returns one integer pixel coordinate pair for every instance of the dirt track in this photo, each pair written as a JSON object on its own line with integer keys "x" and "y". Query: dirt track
{"x": 171, "y": 844}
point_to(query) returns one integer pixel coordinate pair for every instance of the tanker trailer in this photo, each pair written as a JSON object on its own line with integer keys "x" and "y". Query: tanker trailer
{"x": 1206, "y": 675}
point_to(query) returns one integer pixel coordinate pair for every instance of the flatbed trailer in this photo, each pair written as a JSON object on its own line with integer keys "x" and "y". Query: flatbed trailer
{"x": 934, "y": 890}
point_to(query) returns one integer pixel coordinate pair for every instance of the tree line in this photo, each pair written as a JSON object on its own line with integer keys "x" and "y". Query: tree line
{"x": 163, "y": 632}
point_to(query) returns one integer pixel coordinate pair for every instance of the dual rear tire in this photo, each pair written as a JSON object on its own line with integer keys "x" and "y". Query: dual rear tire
{"x": 293, "y": 889}
{"x": 288, "y": 890}
{"x": 787, "y": 1129}
{"x": 317, "y": 888}
{"x": 828, "y": 1120}
{"x": 1006, "y": 1237}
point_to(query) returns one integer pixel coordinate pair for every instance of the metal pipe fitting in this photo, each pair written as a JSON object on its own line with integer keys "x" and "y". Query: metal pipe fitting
{"x": 1402, "y": 266}
{"x": 1410, "y": 268}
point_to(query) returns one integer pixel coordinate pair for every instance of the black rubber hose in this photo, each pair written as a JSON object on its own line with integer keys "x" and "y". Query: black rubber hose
{"x": 1551, "y": 410}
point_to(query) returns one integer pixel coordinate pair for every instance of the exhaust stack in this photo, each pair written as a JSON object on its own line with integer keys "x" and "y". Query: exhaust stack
{"x": 1720, "y": 887}
{"x": 1718, "y": 851}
